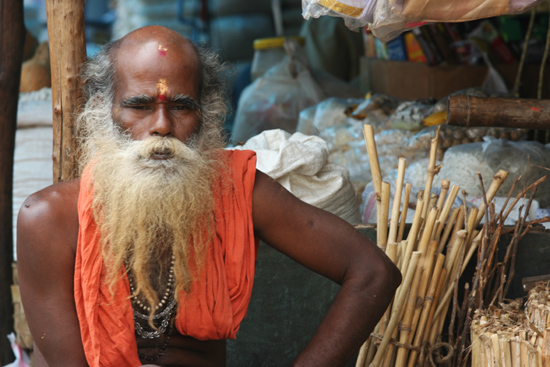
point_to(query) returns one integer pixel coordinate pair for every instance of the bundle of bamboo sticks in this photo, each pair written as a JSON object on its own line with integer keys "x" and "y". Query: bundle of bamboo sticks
{"x": 508, "y": 337}
{"x": 440, "y": 243}
{"x": 501, "y": 337}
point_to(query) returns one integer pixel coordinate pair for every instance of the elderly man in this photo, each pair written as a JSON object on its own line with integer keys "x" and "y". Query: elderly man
{"x": 149, "y": 257}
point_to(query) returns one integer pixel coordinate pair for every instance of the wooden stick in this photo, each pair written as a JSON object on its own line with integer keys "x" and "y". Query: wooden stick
{"x": 401, "y": 249}
{"x": 471, "y": 250}
{"x": 67, "y": 53}
{"x": 458, "y": 225}
{"x": 396, "y": 315}
{"x": 421, "y": 293}
{"x": 405, "y": 324}
{"x": 445, "y": 184}
{"x": 392, "y": 252}
{"x": 12, "y": 34}
{"x": 437, "y": 224}
{"x": 515, "y": 345}
{"x": 392, "y": 236}
{"x": 427, "y": 232}
{"x": 505, "y": 353}
{"x": 404, "y": 210}
{"x": 431, "y": 170}
{"x": 363, "y": 351}
{"x": 447, "y": 207}
{"x": 433, "y": 201}
{"x": 411, "y": 239}
{"x": 496, "y": 350}
{"x": 428, "y": 303}
{"x": 450, "y": 265}
{"x": 498, "y": 180}
{"x": 439, "y": 290}
{"x": 521, "y": 194}
{"x": 368, "y": 133}
{"x": 390, "y": 355}
{"x": 472, "y": 223}
{"x": 448, "y": 228}
{"x": 382, "y": 216}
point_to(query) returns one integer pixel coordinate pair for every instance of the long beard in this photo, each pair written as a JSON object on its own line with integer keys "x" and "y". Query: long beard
{"x": 149, "y": 210}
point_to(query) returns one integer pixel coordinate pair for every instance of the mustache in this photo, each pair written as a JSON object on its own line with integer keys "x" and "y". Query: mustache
{"x": 156, "y": 148}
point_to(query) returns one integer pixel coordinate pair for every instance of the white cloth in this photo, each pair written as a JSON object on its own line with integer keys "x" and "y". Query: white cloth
{"x": 299, "y": 163}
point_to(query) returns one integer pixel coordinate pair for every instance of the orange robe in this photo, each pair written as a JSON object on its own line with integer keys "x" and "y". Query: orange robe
{"x": 219, "y": 298}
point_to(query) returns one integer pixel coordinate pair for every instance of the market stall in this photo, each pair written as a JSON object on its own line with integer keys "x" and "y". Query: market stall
{"x": 438, "y": 183}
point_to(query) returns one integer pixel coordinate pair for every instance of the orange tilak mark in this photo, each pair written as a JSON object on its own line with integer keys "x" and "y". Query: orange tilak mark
{"x": 162, "y": 50}
{"x": 536, "y": 109}
{"x": 162, "y": 88}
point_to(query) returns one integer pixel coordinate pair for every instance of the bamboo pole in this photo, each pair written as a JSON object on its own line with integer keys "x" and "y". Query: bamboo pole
{"x": 12, "y": 36}
{"x": 411, "y": 238}
{"x": 368, "y": 133}
{"x": 431, "y": 170}
{"x": 472, "y": 223}
{"x": 68, "y": 52}
{"x": 453, "y": 271}
{"x": 392, "y": 236}
{"x": 380, "y": 353}
{"x": 515, "y": 345}
{"x": 445, "y": 184}
{"x": 504, "y": 347}
{"x": 428, "y": 304}
{"x": 404, "y": 210}
{"x": 496, "y": 350}
{"x": 428, "y": 265}
{"x": 427, "y": 232}
{"x": 363, "y": 351}
{"x": 459, "y": 223}
{"x": 382, "y": 216}
{"x": 405, "y": 324}
{"x": 443, "y": 216}
{"x": 448, "y": 228}
{"x": 498, "y": 180}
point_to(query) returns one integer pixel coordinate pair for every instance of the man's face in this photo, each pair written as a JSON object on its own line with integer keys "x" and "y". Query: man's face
{"x": 157, "y": 91}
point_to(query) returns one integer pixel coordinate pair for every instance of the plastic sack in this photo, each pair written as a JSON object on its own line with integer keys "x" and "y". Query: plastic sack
{"x": 528, "y": 159}
{"x": 299, "y": 163}
{"x": 389, "y": 18}
{"x": 340, "y": 123}
{"x": 274, "y": 100}
{"x": 22, "y": 359}
{"x": 329, "y": 113}
{"x": 409, "y": 115}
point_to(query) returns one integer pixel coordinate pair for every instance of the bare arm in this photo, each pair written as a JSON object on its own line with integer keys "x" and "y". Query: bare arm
{"x": 47, "y": 230}
{"x": 329, "y": 246}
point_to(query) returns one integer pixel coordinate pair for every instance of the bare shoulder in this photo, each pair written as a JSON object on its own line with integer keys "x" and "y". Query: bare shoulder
{"x": 47, "y": 211}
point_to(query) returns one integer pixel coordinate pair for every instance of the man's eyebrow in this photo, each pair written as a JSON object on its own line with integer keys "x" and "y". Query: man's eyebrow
{"x": 137, "y": 100}
{"x": 186, "y": 100}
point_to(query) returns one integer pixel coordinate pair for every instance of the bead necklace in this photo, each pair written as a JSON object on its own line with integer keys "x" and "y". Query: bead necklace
{"x": 164, "y": 298}
{"x": 164, "y": 316}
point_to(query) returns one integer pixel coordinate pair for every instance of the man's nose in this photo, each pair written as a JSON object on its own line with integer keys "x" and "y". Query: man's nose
{"x": 161, "y": 124}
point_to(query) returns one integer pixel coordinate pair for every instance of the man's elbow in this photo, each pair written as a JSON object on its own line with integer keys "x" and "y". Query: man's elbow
{"x": 383, "y": 278}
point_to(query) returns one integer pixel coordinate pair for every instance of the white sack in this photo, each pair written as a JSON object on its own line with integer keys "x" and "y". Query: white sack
{"x": 299, "y": 163}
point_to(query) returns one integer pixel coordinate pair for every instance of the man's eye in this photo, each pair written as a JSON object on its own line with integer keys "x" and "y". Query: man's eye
{"x": 181, "y": 107}
{"x": 137, "y": 107}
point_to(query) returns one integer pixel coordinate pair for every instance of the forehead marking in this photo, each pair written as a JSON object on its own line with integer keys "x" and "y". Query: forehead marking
{"x": 162, "y": 88}
{"x": 162, "y": 50}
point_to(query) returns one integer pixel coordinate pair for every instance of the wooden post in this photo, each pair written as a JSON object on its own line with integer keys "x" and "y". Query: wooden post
{"x": 470, "y": 111}
{"x": 68, "y": 52}
{"x": 12, "y": 36}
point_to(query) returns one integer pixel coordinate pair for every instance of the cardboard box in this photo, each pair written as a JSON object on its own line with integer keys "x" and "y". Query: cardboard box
{"x": 413, "y": 80}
